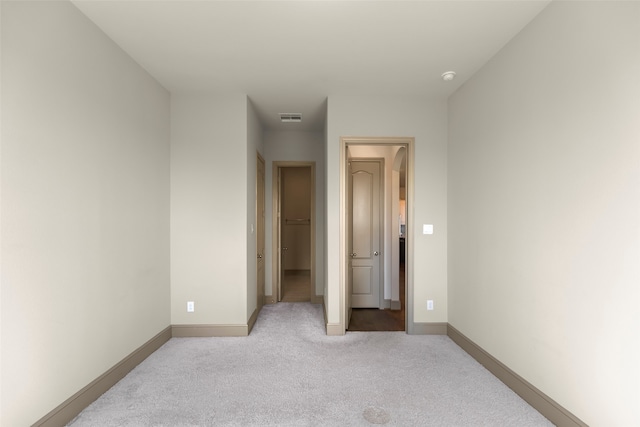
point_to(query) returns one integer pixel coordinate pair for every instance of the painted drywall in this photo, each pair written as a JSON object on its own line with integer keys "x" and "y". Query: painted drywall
{"x": 544, "y": 215}
{"x": 302, "y": 147}
{"x": 425, "y": 120}
{"x": 209, "y": 209}
{"x": 85, "y": 209}
{"x": 255, "y": 145}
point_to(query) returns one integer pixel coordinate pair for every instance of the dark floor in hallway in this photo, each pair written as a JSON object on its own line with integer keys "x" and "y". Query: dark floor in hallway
{"x": 374, "y": 319}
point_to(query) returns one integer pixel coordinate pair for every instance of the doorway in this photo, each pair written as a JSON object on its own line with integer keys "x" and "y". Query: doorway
{"x": 395, "y": 294}
{"x": 294, "y": 231}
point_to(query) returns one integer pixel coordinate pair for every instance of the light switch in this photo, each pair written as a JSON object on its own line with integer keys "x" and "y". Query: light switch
{"x": 427, "y": 228}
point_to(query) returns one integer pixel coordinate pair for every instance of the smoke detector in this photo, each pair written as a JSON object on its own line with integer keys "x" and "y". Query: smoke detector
{"x": 290, "y": 117}
{"x": 448, "y": 76}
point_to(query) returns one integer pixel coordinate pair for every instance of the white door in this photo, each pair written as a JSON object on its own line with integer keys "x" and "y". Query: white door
{"x": 365, "y": 233}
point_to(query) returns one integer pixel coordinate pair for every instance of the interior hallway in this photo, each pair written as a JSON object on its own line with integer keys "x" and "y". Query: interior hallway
{"x": 296, "y": 287}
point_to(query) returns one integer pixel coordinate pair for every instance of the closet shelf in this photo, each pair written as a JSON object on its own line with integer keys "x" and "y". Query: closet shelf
{"x": 298, "y": 221}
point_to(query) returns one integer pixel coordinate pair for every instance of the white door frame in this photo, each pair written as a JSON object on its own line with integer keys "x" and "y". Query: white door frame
{"x": 408, "y": 143}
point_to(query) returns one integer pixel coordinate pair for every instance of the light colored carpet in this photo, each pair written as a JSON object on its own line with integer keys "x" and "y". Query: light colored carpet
{"x": 289, "y": 373}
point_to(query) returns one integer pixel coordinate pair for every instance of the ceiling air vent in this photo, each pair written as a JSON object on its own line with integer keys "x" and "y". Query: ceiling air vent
{"x": 290, "y": 117}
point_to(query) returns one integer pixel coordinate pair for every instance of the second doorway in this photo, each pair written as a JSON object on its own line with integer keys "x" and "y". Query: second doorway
{"x": 293, "y": 231}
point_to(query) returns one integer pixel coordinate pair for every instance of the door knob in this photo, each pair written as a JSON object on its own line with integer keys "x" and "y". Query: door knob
{"x": 376, "y": 253}
{"x": 259, "y": 256}
{"x": 284, "y": 249}
{"x": 353, "y": 254}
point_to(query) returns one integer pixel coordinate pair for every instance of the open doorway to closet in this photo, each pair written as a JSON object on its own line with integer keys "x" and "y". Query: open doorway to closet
{"x": 377, "y": 225}
{"x": 294, "y": 231}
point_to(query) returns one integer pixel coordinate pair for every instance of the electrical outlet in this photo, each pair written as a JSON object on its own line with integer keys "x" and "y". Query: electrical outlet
{"x": 190, "y": 307}
{"x": 430, "y": 304}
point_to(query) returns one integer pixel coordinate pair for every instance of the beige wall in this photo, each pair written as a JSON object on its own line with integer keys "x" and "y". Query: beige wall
{"x": 383, "y": 117}
{"x": 85, "y": 206}
{"x": 304, "y": 147}
{"x": 544, "y": 215}
{"x": 209, "y": 209}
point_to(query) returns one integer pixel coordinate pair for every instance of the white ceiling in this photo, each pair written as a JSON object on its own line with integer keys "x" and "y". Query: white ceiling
{"x": 289, "y": 56}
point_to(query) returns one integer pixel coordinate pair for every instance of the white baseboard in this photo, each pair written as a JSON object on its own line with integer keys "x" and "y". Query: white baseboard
{"x": 431, "y": 328}
{"x": 252, "y": 320}
{"x": 315, "y": 299}
{"x": 182, "y": 331}
{"x": 334, "y": 329}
